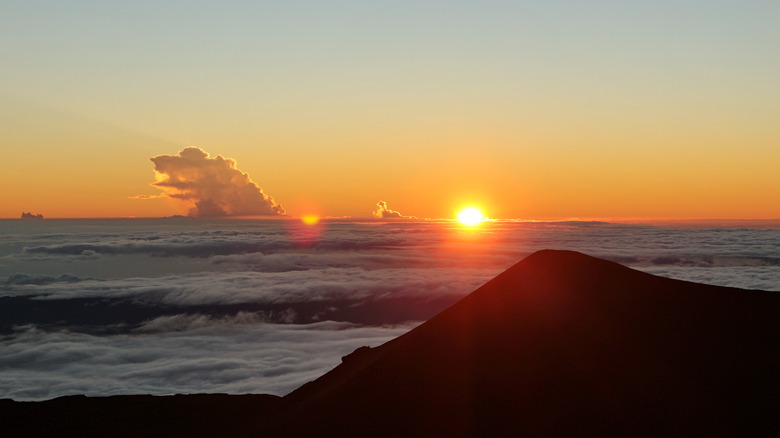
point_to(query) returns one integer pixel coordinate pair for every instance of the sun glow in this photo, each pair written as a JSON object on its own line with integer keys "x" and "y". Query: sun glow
{"x": 471, "y": 216}
{"x": 310, "y": 219}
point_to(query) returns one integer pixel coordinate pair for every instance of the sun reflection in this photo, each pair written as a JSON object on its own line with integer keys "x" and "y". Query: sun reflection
{"x": 471, "y": 216}
{"x": 307, "y": 232}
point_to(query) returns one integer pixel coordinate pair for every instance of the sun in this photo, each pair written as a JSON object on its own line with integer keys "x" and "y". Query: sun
{"x": 310, "y": 219}
{"x": 471, "y": 216}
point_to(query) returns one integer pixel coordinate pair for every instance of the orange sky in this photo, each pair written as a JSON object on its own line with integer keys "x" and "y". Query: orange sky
{"x": 527, "y": 110}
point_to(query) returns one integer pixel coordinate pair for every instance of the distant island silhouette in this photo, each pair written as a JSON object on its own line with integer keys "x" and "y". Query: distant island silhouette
{"x": 30, "y": 215}
{"x": 560, "y": 344}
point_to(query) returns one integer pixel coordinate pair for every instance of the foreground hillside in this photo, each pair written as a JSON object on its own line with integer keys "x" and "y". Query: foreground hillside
{"x": 132, "y": 415}
{"x": 561, "y": 344}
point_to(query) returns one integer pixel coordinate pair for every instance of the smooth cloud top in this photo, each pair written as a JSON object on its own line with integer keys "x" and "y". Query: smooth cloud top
{"x": 211, "y": 186}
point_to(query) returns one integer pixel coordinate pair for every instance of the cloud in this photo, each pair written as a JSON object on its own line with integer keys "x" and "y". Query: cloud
{"x": 324, "y": 285}
{"x": 211, "y": 186}
{"x": 166, "y": 305}
{"x": 204, "y": 247}
{"x": 196, "y": 354}
{"x": 24, "y": 279}
{"x": 746, "y": 276}
{"x": 382, "y": 211}
{"x": 184, "y": 322}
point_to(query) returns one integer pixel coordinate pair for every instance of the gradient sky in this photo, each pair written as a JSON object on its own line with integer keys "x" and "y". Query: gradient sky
{"x": 544, "y": 109}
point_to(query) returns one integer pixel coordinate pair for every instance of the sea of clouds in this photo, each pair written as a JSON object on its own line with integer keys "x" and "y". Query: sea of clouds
{"x": 185, "y": 305}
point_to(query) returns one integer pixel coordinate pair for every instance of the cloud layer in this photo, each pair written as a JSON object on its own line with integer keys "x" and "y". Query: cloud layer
{"x": 211, "y": 187}
{"x": 212, "y": 305}
{"x": 179, "y": 355}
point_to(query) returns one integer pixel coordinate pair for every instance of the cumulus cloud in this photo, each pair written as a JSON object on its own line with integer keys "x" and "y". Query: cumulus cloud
{"x": 382, "y": 211}
{"x": 211, "y": 186}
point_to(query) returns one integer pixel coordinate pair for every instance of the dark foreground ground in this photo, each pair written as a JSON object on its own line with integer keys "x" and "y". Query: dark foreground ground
{"x": 196, "y": 415}
{"x": 561, "y": 344}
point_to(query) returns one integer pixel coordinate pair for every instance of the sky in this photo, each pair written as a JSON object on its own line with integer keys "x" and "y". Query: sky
{"x": 531, "y": 110}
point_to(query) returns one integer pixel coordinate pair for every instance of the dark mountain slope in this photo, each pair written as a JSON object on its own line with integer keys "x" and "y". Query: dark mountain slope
{"x": 560, "y": 344}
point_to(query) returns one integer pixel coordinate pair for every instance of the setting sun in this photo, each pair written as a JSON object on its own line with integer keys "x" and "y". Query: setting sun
{"x": 470, "y": 216}
{"x": 310, "y": 219}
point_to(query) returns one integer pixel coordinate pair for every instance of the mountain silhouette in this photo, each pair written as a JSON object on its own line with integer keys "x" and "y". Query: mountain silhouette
{"x": 560, "y": 344}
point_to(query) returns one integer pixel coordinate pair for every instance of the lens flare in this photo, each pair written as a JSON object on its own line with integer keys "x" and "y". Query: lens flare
{"x": 470, "y": 216}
